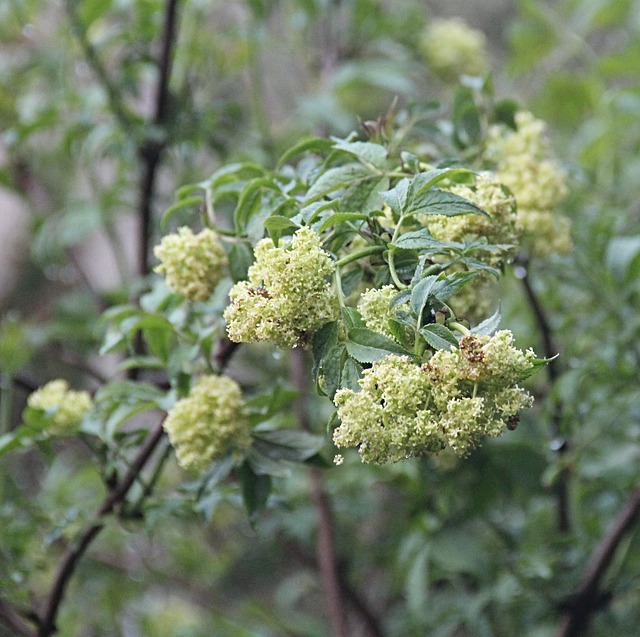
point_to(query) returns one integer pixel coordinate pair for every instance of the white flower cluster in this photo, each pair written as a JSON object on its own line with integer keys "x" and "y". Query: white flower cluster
{"x": 526, "y": 165}
{"x": 66, "y": 407}
{"x": 193, "y": 264}
{"x": 209, "y": 423}
{"x": 454, "y": 400}
{"x": 287, "y": 297}
{"x": 452, "y": 48}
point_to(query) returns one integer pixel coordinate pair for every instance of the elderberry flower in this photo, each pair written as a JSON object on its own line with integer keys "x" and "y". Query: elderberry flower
{"x": 389, "y": 418}
{"x": 66, "y": 406}
{"x": 376, "y": 311}
{"x": 525, "y": 163}
{"x": 455, "y": 400}
{"x": 194, "y": 264}
{"x": 209, "y": 423}
{"x": 287, "y": 297}
{"x": 500, "y": 228}
{"x": 452, "y": 48}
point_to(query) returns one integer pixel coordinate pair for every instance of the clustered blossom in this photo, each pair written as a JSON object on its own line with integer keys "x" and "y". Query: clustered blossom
{"x": 452, "y": 48}
{"x": 209, "y": 423}
{"x": 287, "y": 297}
{"x": 525, "y": 163}
{"x": 375, "y": 308}
{"x": 193, "y": 264}
{"x": 67, "y": 407}
{"x": 500, "y": 228}
{"x": 455, "y": 399}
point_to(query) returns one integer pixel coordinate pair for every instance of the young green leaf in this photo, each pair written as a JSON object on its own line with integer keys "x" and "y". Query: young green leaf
{"x": 367, "y": 346}
{"x": 439, "y": 336}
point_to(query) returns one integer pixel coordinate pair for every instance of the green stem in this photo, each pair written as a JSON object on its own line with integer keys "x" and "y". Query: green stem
{"x": 394, "y": 275}
{"x": 365, "y": 252}
{"x": 338, "y": 283}
{"x": 459, "y": 327}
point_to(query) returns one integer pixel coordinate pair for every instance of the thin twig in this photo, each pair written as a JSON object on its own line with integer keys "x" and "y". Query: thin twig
{"x": 14, "y": 620}
{"x": 587, "y": 600}
{"x": 70, "y": 560}
{"x": 561, "y": 445}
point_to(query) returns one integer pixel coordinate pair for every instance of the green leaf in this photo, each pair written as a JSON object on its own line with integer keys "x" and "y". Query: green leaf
{"x": 335, "y": 179}
{"x": 324, "y": 339}
{"x": 240, "y": 259}
{"x": 442, "y": 202}
{"x": 275, "y": 224}
{"x": 331, "y": 368}
{"x": 287, "y": 444}
{"x": 255, "y": 491}
{"x": 452, "y": 284}
{"x": 250, "y": 201}
{"x": 352, "y": 317}
{"x": 367, "y": 346}
{"x": 319, "y": 145}
{"x": 488, "y": 326}
{"x": 372, "y": 155}
{"x": 467, "y": 123}
{"x": 424, "y": 181}
{"x": 396, "y": 198}
{"x": 416, "y": 240}
{"x": 340, "y": 217}
{"x": 439, "y": 336}
{"x": 176, "y": 207}
{"x": 420, "y": 294}
{"x": 351, "y": 373}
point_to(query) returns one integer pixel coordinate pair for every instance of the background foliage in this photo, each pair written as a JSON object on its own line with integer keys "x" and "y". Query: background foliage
{"x": 99, "y": 130}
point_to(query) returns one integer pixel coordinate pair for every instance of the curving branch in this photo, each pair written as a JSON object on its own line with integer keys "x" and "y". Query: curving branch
{"x": 67, "y": 567}
{"x": 589, "y": 598}
{"x": 561, "y": 445}
{"x": 10, "y": 617}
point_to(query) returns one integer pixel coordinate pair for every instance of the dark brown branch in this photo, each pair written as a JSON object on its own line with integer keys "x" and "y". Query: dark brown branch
{"x": 326, "y": 555}
{"x": 588, "y": 599}
{"x": 14, "y": 620}
{"x": 151, "y": 150}
{"x": 70, "y": 560}
{"x": 561, "y": 445}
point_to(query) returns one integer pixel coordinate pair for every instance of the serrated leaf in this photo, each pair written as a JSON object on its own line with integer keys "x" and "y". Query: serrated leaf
{"x": 439, "y": 336}
{"x": 335, "y": 179}
{"x": 367, "y": 346}
{"x": 488, "y": 326}
{"x": 340, "y": 217}
{"x": 416, "y": 240}
{"x": 452, "y": 284}
{"x": 351, "y": 373}
{"x": 240, "y": 258}
{"x": 537, "y": 363}
{"x": 424, "y": 181}
{"x": 420, "y": 294}
{"x": 372, "y": 154}
{"x": 276, "y": 224}
{"x": 331, "y": 366}
{"x": 352, "y": 317}
{"x": 324, "y": 339}
{"x": 250, "y": 200}
{"x": 442, "y": 202}
{"x": 396, "y": 198}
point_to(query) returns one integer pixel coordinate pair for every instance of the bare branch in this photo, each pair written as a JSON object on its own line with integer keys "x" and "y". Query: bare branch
{"x": 14, "y": 620}
{"x": 70, "y": 560}
{"x": 587, "y": 600}
{"x": 561, "y": 445}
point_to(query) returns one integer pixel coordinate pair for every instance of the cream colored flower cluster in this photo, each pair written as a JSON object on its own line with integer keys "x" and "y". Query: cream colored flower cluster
{"x": 452, "y": 48}
{"x": 456, "y": 399}
{"x": 66, "y": 406}
{"x": 500, "y": 228}
{"x": 209, "y": 423}
{"x": 525, "y": 163}
{"x": 193, "y": 264}
{"x": 375, "y": 308}
{"x": 287, "y": 297}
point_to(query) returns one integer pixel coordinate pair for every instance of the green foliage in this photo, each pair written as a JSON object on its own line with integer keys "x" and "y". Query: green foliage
{"x": 262, "y": 97}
